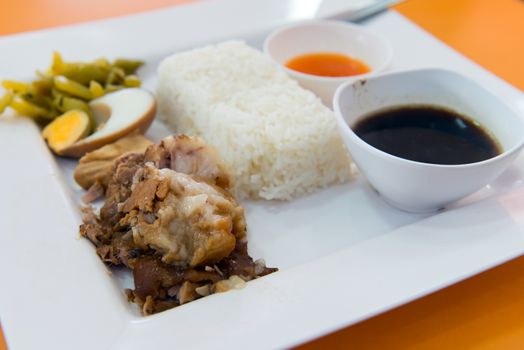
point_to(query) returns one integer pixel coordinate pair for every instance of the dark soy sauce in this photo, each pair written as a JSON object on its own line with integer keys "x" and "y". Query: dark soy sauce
{"x": 427, "y": 134}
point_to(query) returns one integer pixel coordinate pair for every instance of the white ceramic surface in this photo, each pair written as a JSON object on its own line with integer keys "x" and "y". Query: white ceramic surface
{"x": 422, "y": 187}
{"x": 327, "y": 36}
{"x": 56, "y": 294}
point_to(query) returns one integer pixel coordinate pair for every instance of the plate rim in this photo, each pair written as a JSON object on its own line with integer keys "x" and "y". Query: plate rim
{"x": 132, "y": 323}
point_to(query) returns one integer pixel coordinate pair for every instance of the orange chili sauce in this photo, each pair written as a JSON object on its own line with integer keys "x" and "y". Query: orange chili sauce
{"x": 328, "y": 64}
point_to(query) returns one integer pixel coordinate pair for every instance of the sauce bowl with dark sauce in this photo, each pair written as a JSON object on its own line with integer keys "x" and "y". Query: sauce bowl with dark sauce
{"x": 426, "y": 138}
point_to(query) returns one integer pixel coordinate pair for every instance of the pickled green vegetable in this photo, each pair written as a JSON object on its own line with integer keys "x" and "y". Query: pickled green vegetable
{"x": 96, "y": 89}
{"x": 80, "y": 72}
{"x": 16, "y": 86}
{"x": 5, "y": 100}
{"x": 68, "y": 85}
{"x": 29, "y": 109}
{"x": 116, "y": 76}
{"x": 113, "y": 88}
{"x": 72, "y": 87}
{"x": 42, "y": 87}
{"x": 129, "y": 66}
{"x": 64, "y": 103}
{"x": 132, "y": 81}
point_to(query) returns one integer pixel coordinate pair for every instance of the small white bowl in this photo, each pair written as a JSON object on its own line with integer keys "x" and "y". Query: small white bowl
{"x": 423, "y": 187}
{"x": 327, "y": 36}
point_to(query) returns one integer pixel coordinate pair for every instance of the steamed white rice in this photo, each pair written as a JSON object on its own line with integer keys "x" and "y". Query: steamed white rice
{"x": 277, "y": 139}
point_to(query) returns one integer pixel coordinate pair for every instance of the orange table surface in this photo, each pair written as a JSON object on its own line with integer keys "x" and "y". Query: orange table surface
{"x": 483, "y": 312}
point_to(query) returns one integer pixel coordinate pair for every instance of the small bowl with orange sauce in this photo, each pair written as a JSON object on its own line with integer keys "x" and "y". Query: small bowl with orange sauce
{"x": 323, "y": 54}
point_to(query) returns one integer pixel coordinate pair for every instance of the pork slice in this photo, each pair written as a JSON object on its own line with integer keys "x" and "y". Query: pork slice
{"x": 189, "y": 155}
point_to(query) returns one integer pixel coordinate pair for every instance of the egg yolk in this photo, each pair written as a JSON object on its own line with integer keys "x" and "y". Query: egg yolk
{"x": 66, "y": 129}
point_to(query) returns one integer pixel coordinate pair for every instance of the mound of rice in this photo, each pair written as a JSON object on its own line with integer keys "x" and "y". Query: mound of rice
{"x": 277, "y": 139}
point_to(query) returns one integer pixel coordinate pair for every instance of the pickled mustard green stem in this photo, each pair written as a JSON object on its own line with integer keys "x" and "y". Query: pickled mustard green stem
{"x": 29, "y": 109}
{"x": 42, "y": 87}
{"x": 65, "y": 103}
{"x": 116, "y": 76}
{"x": 16, "y": 86}
{"x": 132, "y": 81}
{"x": 84, "y": 73}
{"x": 5, "y": 100}
{"x": 57, "y": 63}
{"x": 39, "y": 100}
{"x": 113, "y": 88}
{"x": 97, "y": 90}
{"x": 102, "y": 62}
{"x": 129, "y": 66}
{"x": 45, "y": 76}
{"x": 72, "y": 87}
{"x": 81, "y": 72}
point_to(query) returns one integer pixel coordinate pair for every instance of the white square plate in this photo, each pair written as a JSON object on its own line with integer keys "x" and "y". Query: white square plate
{"x": 343, "y": 254}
